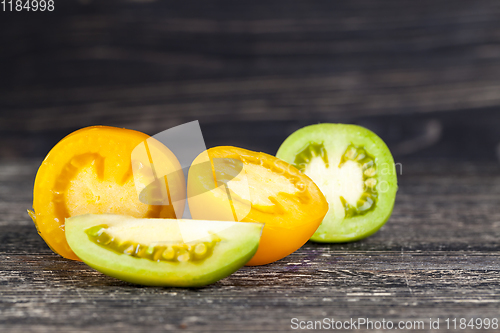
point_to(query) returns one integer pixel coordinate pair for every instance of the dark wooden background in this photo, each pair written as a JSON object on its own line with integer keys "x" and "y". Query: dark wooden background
{"x": 424, "y": 75}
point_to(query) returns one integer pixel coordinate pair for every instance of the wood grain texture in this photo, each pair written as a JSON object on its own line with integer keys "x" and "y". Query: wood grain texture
{"x": 424, "y": 75}
{"x": 438, "y": 256}
{"x": 156, "y": 64}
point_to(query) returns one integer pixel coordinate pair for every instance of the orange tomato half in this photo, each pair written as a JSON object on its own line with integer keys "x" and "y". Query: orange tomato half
{"x": 229, "y": 183}
{"x": 102, "y": 169}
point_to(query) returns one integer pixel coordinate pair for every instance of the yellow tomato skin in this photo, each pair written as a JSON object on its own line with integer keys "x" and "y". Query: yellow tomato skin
{"x": 91, "y": 171}
{"x": 290, "y": 220}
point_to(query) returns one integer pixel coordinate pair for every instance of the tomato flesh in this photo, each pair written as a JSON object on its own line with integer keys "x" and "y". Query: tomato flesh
{"x": 92, "y": 171}
{"x": 267, "y": 190}
{"x": 356, "y": 172}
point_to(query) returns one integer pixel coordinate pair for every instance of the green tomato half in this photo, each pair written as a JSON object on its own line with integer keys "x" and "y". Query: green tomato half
{"x": 356, "y": 172}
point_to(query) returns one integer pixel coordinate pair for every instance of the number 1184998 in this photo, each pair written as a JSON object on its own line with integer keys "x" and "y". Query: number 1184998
{"x": 27, "y": 5}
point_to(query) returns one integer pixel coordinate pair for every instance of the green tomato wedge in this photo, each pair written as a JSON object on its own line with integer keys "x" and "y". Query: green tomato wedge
{"x": 355, "y": 171}
{"x": 162, "y": 252}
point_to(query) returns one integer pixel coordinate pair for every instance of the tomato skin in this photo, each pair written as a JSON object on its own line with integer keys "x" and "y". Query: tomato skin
{"x": 335, "y": 140}
{"x": 288, "y": 224}
{"x": 90, "y": 171}
{"x": 277, "y": 243}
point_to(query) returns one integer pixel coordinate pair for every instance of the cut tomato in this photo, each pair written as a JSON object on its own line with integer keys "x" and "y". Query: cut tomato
{"x": 356, "y": 172}
{"x": 102, "y": 169}
{"x": 247, "y": 186}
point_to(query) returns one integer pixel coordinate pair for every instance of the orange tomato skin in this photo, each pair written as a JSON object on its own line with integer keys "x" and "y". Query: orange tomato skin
{"x": 288, "y": 224}
{"x": 278, "y": 243}
{"x": 90, "y": 171}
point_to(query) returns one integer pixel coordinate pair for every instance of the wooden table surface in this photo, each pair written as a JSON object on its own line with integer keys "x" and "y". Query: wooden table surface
{"x": 438, "y": 256}
{"x": 424, "y": 75}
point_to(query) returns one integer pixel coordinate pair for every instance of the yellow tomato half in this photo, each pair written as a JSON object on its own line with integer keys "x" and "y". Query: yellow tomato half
{"x": 102, "y": 169}
{"x": 248, "y": 186}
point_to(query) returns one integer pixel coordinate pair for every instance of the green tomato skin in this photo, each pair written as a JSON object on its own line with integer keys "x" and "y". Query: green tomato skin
{"x": 237, "y": 246}
{"x": 335, "y": 138}
{"x": 336, "y": 238}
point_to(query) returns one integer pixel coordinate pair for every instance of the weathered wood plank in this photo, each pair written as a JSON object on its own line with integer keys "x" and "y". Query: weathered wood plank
{"x": 252, "y": 74}
{"x": 438, "y": 256}
{"x": 154, "y": 65}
